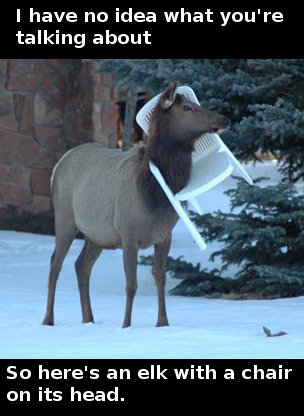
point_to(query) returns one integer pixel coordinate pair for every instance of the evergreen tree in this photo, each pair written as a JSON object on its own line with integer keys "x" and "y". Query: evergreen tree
{"x": 265, "y": 237}
{"x": 262, "y": 97}
{"x": 264, "y": 233}
{"x": 268, "y": 228}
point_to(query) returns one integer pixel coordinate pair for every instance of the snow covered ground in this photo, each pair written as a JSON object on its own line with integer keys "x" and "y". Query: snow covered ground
{"x": 200, "y": 328}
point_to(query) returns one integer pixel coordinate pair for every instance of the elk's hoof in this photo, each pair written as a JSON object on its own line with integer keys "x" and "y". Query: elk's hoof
{"x": 48, "y": 321}
{"x": 163, "y": 322}
{"x": 88, "y": 321}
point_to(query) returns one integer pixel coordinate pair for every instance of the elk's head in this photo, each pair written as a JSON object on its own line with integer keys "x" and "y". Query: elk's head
{"x": 182, "y": 121}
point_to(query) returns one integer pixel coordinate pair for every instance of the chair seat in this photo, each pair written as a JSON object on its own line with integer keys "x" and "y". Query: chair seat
{"x": 205, "y": 174}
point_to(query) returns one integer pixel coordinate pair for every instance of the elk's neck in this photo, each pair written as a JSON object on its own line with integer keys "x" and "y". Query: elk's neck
{"x": 174, "y": 163}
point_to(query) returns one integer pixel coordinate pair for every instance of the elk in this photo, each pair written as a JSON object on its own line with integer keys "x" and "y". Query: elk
{"x": 112, "y": 197}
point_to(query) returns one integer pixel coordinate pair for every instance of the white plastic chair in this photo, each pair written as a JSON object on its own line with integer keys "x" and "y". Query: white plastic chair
{"x": 212, "y": 162}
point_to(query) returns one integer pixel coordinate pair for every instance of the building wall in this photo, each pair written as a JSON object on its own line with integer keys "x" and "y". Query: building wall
{"x": 46, "y": 107}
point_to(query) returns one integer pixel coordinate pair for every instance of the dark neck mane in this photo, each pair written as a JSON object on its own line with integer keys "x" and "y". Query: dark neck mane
{"x": 172, "y": 159}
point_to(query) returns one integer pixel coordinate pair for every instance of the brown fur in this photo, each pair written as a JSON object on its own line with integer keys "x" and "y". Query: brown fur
{"x": 114, "y": 200}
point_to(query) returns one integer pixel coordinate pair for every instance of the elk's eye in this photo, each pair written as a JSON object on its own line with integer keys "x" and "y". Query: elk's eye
{"x": 187, "y": 108}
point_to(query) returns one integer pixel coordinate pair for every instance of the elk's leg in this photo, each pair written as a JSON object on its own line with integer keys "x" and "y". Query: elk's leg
{"x": 161, "y": 251}
{"x": 65, "y": 233}
{"x": 130, "y": 266}
{"x": 83, "y": 266}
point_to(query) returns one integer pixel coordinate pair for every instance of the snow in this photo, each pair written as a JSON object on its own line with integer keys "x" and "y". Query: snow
{"x": 199, "y": 327}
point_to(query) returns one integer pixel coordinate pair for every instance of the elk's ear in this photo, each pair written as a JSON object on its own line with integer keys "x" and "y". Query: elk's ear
{"x": 168, "y": 97}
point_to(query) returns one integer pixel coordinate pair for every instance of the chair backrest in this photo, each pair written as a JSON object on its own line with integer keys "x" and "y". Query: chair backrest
{"x": 207, "y": 144}
{"x": 144, "y": 115}
{"x": 212, "y": 170}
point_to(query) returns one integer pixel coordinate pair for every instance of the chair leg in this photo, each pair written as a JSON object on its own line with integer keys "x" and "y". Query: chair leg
{"x": 178, "y": 207}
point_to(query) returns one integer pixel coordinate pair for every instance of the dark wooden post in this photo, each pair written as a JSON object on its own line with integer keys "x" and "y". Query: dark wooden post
{"x": 131, "y": 101}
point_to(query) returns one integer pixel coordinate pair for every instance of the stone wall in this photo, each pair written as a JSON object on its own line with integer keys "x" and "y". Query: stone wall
{"x": 46, "y": 107}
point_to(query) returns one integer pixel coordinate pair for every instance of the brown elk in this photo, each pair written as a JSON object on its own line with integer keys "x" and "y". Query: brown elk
{"x": 114, "y": 200}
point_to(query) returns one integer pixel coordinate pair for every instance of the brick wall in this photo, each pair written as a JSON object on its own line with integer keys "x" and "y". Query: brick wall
{"x": 46, "y": 107}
